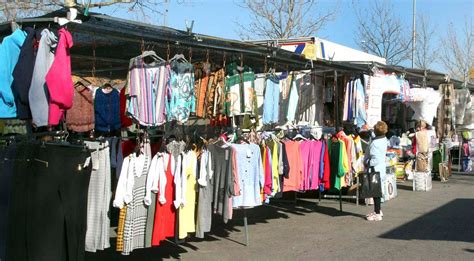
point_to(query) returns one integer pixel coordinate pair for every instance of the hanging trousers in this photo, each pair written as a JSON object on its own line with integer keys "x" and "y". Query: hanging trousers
{"x": 48, "y": 205}
{"x": 7, "y": 154}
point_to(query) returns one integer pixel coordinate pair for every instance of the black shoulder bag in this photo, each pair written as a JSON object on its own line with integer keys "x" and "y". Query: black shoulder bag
{"x": 370, "y": 184}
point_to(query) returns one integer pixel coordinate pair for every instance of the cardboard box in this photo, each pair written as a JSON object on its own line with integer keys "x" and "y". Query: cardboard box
{"x": 422, "y": 181}
{"x": 390, "y": 187}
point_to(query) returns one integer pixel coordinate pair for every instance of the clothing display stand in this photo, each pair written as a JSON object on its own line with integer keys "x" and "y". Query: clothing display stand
{"x": 336, "y": 112}
{"x": 340, "y": 196}
{"x": 246, "y": 228}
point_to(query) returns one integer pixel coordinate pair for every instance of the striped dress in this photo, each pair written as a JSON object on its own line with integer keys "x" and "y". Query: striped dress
{"x": 137, "y": 212}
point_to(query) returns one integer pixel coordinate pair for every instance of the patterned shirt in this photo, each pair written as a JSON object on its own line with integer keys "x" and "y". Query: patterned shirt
{"x": 147, "y": 84}
{"x": 180, "y": 100}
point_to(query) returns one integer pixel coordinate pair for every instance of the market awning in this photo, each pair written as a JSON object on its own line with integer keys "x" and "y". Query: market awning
{"x": 116, "y": 40}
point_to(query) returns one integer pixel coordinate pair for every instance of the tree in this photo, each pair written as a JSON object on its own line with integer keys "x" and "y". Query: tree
{"x": 382, "y": 33}
{"x": 13, "y": 9}
{"x": 457, "y": 52}
{"x": 283, "y": 19}
{"x": 425, "y": 55}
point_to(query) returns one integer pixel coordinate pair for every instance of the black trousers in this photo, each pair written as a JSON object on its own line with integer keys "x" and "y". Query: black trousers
{"x": 7, "y": 154}
{"x": 377, "y": 203}
{"x": 49, "y": 203}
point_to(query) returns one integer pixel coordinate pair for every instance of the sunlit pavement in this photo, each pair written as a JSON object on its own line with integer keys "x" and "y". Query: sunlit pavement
{"x": 435, "y": 225}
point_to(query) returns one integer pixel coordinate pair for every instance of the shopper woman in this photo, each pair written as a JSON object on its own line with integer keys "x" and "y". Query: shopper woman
{"x": 375, "y": 157}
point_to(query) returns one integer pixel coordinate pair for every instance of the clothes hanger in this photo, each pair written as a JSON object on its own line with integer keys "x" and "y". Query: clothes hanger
{"x": 153, "y": 55}
{"x": 299, "y": 136}
{"x": 70, "y": 18}
{"x": 179, "y": 58}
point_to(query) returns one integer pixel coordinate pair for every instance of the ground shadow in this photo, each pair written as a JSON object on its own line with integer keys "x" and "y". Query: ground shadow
{"x": 451, "y": 222}
{"x": 219, "y": 231}
{"x": 405, "y": 187}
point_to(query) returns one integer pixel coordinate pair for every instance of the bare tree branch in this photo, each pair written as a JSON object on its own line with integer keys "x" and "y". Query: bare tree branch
{"x": 382, "y": 33}
{"x": 12, "y": 9}
{"x": 457, "y": 51}
{"x": 425, "y": 54}
{"x": 282, "y": 19}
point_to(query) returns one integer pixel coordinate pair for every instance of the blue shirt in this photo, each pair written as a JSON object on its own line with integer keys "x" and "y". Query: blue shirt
{"x": 9, "y": 53}
{"x": 250, "y": 172}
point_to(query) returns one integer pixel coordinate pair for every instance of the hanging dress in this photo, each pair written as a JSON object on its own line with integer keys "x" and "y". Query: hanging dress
{"x": 165, "y": 214}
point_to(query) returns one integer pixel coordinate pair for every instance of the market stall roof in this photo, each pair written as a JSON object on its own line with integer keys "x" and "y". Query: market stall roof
{"x": 414, "y": 75}
{"x": 114, "y": 41}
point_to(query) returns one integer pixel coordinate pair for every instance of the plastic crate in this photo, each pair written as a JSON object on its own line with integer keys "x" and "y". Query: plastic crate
{"x": 422, "y": 181}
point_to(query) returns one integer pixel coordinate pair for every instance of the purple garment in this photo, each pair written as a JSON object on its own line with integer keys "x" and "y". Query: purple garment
{"x": 321, "y": 166}
{"x": 305, "y": 150}
{"x": 316, "y": 148}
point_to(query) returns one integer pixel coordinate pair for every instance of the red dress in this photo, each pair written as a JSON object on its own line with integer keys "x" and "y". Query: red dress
{"x": 165, "y": 215}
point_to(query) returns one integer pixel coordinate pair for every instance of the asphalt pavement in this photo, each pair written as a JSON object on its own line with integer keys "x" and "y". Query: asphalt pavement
{"x": 434, "y": 225}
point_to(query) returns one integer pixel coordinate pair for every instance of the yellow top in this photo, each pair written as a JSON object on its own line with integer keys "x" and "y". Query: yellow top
{"x": 187, "y": 210}
{"x": 275, "y": 173}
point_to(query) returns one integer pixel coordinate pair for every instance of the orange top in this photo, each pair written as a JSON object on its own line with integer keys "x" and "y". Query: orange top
{"x": 295, "y": 177}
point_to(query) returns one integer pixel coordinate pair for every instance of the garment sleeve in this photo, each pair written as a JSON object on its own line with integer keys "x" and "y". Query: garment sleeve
{"x": 122, "y": 184}
{"x": 259, "y": 169}
{"x": 128, "y": 197}
{"x": 151, "y": 181}
{"x": 280, "y": 159}
{"x": 162, "y": 180}
{"x": 177, "y": 181}
{"x": 345, "y": 160}
{"x": 286, "y": 163}
{"x": 189, "y": 165}
{"x": 235, "y": 174}
{"x": 210, "y": 169}
{"x": 203, "y": 169}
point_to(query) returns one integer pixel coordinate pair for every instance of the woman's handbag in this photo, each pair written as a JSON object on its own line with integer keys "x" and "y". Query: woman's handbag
{"x": 422, "y": 162}
{"x": 370, "y": 184}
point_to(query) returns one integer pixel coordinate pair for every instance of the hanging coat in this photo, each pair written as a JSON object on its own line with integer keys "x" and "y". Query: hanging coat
{"x": 9, "y": 54}
{"x": 59, "y": 80}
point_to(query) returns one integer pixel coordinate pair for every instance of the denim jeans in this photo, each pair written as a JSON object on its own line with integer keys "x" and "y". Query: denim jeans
{"x": 271, "y": 99}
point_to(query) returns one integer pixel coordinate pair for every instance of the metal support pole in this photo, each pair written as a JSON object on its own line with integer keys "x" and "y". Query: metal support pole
{"x": 357, "y": 191}
{"x": 319, "y": 196}
{"x": 340, "y": 200}
{"x": 413, "y": 45}
{"x": 246, "y": 229}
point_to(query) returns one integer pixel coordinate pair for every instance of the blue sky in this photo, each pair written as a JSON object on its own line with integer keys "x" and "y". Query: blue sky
{"x": 218, "y": 18}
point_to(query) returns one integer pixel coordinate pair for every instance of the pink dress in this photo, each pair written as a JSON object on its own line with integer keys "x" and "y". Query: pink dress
{"x": 316, "y": 158}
